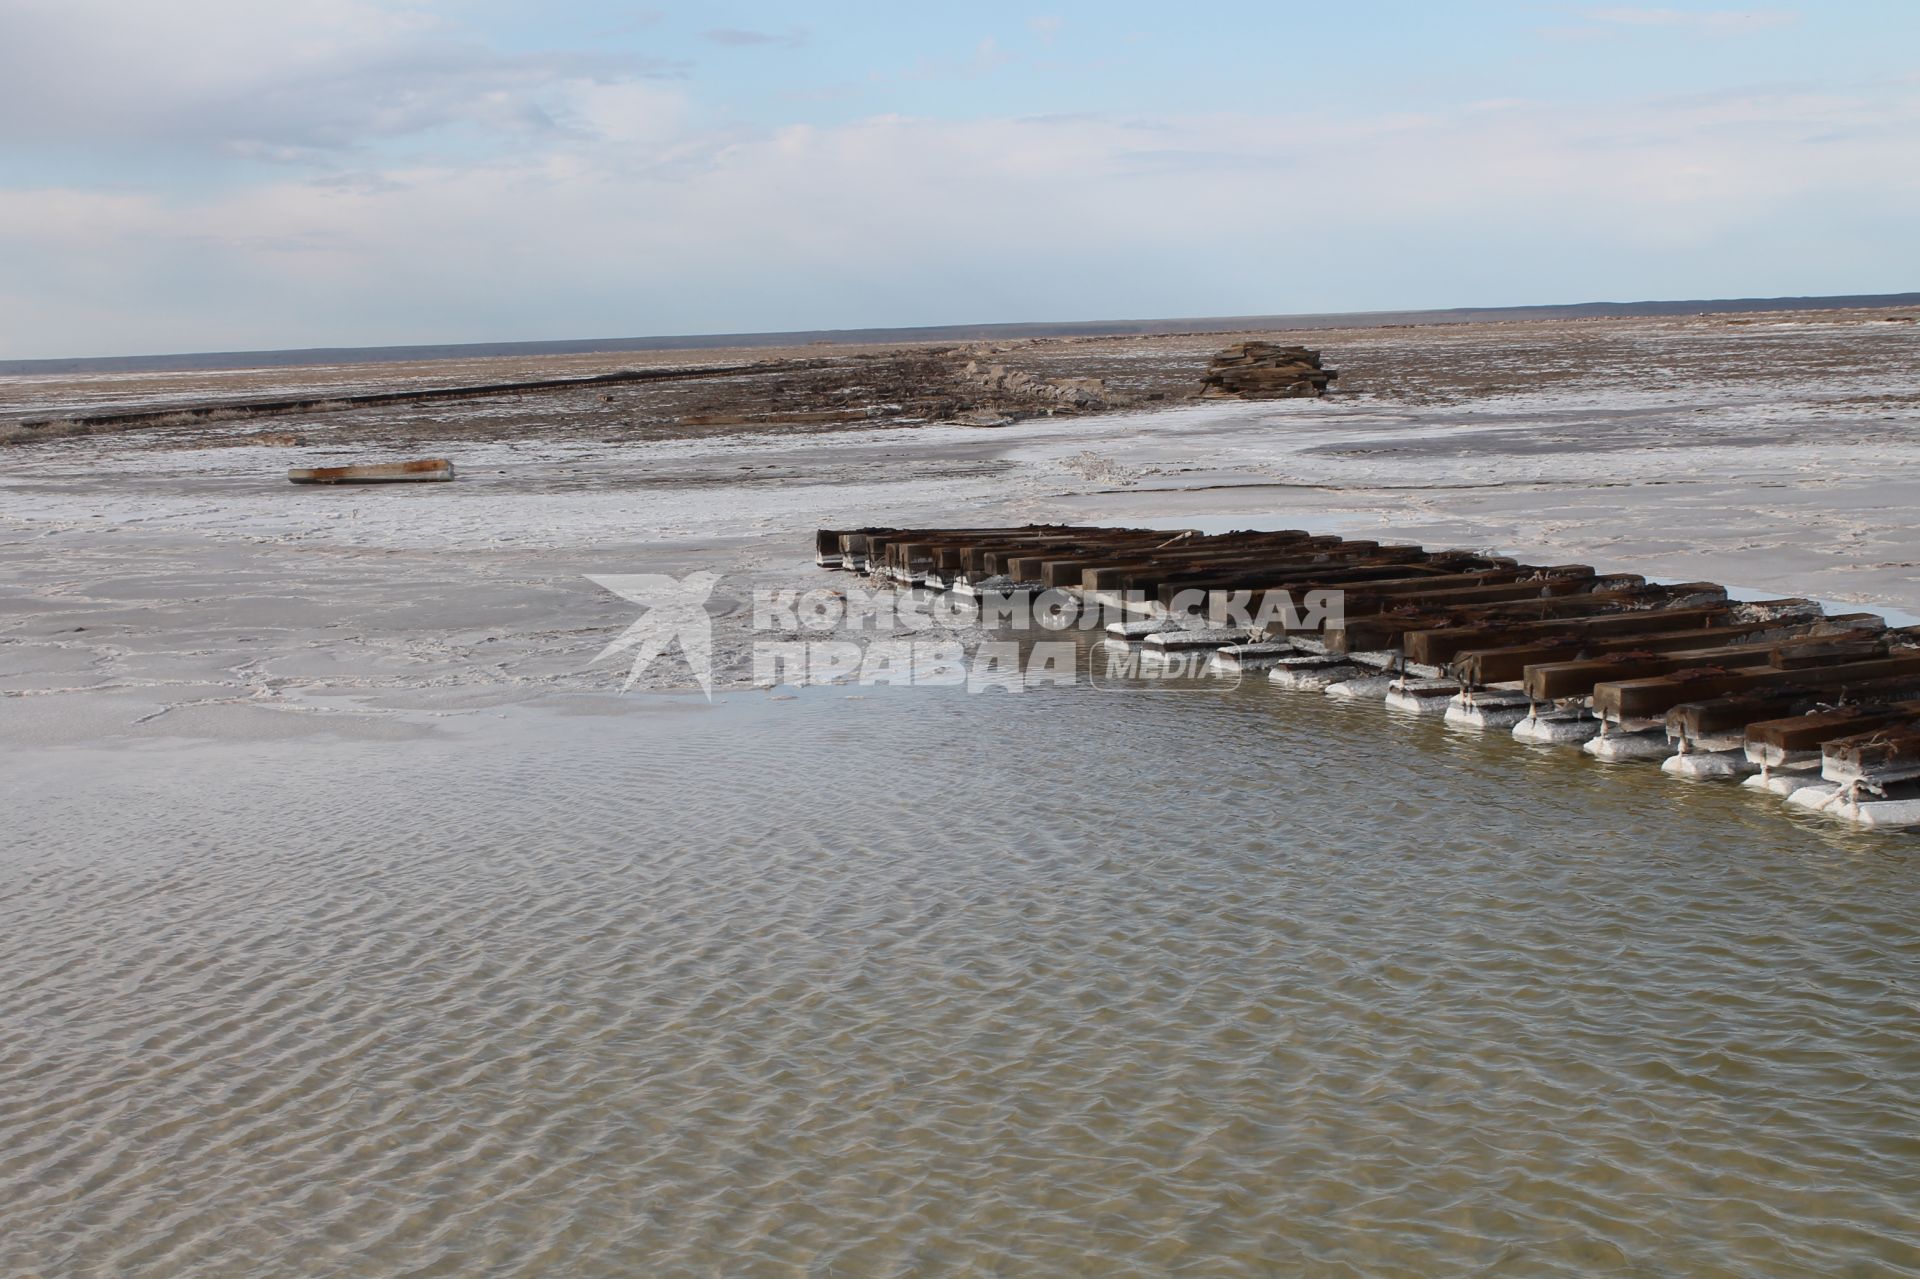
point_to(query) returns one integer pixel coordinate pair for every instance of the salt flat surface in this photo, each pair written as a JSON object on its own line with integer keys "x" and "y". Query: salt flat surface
{"x": 176, "y": 572}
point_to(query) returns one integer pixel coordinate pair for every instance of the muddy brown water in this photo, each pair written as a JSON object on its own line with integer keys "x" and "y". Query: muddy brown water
{"x": 914, "y": 982}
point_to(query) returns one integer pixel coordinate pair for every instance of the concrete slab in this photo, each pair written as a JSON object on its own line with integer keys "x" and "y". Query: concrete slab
{"x": 1781, "y": 784}
{"x": 1250, "y": 657}
{"x": 1557, "y": 727}
{"x": 1313, "y": 673}
{"x": 1422, "y": 696}
{"x": 1207, "y": 637}
{"x": 1700, "y": 766}
{"x": 1618, "y": 747}
{"x": 1487, "y": 711}
{"x": 1361, "y": 686}
{"x": 1140, "y": 630}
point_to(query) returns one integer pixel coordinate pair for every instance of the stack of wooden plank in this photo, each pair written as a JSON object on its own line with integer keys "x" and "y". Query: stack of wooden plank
{"x": 1265, "y": 371}
{"x": 422, "y": 470}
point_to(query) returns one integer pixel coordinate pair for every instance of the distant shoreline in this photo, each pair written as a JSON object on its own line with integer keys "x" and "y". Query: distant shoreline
{"x": 310, "y": 356}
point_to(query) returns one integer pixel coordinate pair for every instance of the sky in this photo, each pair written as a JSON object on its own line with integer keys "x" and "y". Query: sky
{"x": 185, "y": 175}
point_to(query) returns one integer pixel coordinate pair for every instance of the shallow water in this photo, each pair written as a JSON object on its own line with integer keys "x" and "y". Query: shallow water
{"x": 916, "y": 982}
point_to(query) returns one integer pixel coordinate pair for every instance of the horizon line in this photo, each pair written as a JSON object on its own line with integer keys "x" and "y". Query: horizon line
{"x": 905, "y": 334}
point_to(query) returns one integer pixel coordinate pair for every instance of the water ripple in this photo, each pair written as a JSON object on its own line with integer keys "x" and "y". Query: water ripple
{"x": 918, "y": 984}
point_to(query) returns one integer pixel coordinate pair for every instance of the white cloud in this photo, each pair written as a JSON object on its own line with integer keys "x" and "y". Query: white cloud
{"x": 600, "y": 202}
{"x": 267, "y": 79}
{"x": 630, "y": 112}
{"x": 632, "y": 223}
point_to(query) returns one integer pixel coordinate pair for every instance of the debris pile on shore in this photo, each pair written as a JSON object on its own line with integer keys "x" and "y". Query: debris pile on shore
{"x": 1265, "y": 371}
{"x": 1069, "y": 393}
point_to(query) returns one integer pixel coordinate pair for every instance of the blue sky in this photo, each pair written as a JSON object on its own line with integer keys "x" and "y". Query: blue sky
{"x": 218, "y": 174}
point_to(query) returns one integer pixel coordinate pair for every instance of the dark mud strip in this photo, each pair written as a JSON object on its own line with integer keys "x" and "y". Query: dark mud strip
{"x": 317, "y": 403}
